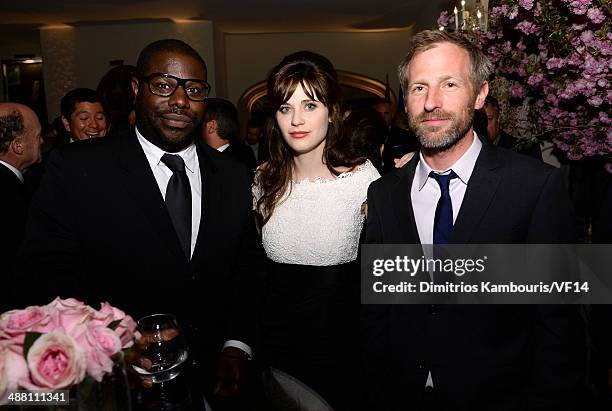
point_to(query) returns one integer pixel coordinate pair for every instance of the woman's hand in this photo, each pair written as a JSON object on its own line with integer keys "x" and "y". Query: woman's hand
{"x": 400, "y": 162}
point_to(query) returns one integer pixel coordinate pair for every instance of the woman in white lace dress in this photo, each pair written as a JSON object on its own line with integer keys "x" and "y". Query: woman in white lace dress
{"x": 310, "y": 197}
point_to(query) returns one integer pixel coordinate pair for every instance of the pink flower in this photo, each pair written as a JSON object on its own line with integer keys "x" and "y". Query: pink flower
{"x": 517, "y": 91}
{"x": 13, "y": 369}
{"x": 596, "y": 15}
{"x": 70, "y": 314}
{"x": 55, "y": 361}
{"x": 100, "y": 344}
{"x": 595, "y": 101}
{"x": 445, "y": 19}
{"x": 527, "y": 27}
{"x": 526, "y": 4}
{"x": 126, "y": 328}
{"x": 15, "y": 323}
{"x": 535, "y": 79}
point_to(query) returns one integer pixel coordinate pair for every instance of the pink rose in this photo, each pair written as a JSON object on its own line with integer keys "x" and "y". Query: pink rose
{"x": 13, "y": 369}
{"x": 126, "y": 328}
{"x": 70, "y": 314}
{"x": 55, "y": 361}
{"x": 100, "y": 344}
{"x": 15, "y": 323}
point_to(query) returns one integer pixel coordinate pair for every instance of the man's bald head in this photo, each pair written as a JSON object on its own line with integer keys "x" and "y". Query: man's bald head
{"x": 19, "y": 135}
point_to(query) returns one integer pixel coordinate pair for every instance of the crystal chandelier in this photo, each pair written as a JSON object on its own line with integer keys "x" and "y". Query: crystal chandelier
{"x": 473, "y": 15}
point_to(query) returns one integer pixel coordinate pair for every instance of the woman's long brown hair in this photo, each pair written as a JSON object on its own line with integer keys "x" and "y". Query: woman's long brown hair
{"x": 319, "y": 81}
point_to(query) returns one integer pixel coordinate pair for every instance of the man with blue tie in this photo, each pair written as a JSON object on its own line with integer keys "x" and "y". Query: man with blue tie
{"x": 458, "y": 190}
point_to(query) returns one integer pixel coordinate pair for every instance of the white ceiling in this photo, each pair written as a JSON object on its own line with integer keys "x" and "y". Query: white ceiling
{"x": 231, "y": 15}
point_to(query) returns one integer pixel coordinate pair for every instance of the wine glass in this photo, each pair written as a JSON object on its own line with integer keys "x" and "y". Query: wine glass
{"x": 164, "y": 345}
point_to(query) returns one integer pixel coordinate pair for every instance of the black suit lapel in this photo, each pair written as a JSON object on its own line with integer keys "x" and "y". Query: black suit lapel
{"x": 401, "y": 202}
{"x": 481, "y": 188}
{"x": 140, "y": 185}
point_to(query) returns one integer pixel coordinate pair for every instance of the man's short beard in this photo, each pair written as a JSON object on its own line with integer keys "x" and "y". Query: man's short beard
{"x": 457, "y": 130}
{"x": 153, "y": 134}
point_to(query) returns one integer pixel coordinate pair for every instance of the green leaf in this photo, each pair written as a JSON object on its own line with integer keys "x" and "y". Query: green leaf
{"x": 113, "y": 326}
{"x": 30, "y": 338}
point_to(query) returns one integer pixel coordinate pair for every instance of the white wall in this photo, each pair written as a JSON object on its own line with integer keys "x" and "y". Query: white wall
{"x": 79, "y": 56}
{"x": 251, "y": 56}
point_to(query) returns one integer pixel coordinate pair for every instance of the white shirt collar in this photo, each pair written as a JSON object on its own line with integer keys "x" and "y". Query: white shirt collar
{"x": 14, "y": 170}
{"x": 462, "y": 167}
{"x": 222, "y": 148}
{"x": 154, "y": 153}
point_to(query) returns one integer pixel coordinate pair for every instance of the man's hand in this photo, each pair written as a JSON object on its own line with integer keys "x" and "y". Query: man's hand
{"x": 231, "y": 372}
{"x": 135, "y": 356}
{"x": 399, "y": 162}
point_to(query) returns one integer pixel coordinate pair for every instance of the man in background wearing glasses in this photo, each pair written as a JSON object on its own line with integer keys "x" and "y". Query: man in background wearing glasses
{"x": 153, "y": 222}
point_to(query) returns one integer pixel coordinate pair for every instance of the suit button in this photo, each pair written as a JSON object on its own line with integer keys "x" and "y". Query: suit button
{"x": 433, "y": 309}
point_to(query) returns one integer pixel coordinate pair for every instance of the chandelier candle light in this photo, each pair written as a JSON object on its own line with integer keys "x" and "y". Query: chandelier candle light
{"x": 472, "y": 16}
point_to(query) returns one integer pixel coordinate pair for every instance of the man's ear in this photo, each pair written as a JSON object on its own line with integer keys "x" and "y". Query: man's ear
{"x": 211, "y": 126}
{"x": 135, "y": 86}
{"x": 481, "y": 96}
{"x": 66, "y": 123}
{"x": 17, "y": 145}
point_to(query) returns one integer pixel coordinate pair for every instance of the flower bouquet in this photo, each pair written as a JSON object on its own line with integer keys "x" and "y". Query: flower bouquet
{"x": 61, "y": 345}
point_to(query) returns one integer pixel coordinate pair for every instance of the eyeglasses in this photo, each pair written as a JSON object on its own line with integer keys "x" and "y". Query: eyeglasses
{"x": 164, "y": 85}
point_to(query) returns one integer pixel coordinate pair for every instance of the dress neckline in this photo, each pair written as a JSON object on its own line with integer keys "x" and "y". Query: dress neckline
{"x": 321, "y": 180}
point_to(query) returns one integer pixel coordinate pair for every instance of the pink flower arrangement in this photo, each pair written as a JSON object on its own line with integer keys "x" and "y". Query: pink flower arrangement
{"x": 554, "y": 58}
{"x": 57, "y": 345}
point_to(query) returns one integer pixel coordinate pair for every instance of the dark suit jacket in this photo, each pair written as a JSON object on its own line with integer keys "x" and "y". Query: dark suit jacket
{"x": 99, "y": 230}
{"x": 508, "y": 141}
{"x": 481, "y": 357}
{"x": 13, "y": 211}
{"x": 244, "y": 154}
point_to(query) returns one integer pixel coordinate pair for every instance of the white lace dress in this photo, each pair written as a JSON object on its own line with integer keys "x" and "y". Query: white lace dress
{"x": 311, "y": 305}
{"x": 319, "y": 222}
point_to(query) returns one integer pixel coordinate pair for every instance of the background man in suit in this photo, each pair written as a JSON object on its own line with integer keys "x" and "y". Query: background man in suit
{"x": 20, "y": 142}
{"x": 467, "y": 357}
{"x": 502, "y": 139}
{"x": 220, "y": 130}
{"x": 397, "y": 141}
{"x": 153, "y": 222}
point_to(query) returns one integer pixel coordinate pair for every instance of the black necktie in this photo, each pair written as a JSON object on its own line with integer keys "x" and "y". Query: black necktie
{"x": 443, "y": 221}
{"x": 178, "y": 200}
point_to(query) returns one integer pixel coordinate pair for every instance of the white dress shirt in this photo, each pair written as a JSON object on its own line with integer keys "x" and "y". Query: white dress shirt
{"x": 15, "y": 171}
{"x": 425, "y": 193}
{"x": 162, "y": 175}
{"x": 223, "y": 147}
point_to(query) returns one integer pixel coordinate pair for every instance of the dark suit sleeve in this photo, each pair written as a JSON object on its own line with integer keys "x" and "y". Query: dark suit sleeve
{"x": 50, "y": 253}
{"x": 559, "y": 333}
{"x": 373, "y": 224}
{"x": 374, "y": 321}
{"x": 249, "y": 271}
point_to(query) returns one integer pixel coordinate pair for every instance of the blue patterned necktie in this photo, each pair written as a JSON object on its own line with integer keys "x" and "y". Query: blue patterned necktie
{"x": 443, "y": 221}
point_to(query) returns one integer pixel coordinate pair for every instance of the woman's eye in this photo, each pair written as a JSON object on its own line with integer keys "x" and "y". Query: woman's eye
{"x": 311, "y": 106}
{"x": 283, "y": 109}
